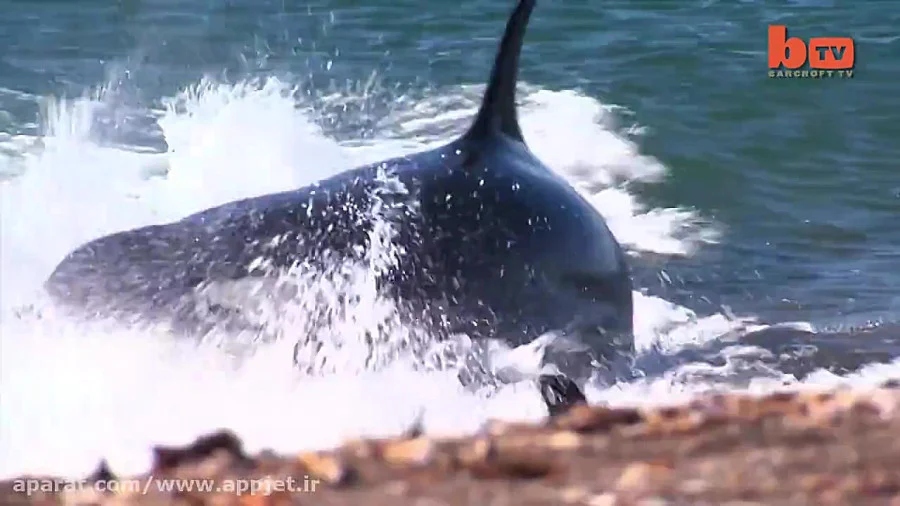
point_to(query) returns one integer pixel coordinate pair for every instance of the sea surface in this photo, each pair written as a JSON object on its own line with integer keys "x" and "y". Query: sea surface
{"x": 760, "y": 214}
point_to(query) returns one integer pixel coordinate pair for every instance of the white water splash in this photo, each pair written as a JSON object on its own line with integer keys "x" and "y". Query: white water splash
{"x": 74, "y": 394}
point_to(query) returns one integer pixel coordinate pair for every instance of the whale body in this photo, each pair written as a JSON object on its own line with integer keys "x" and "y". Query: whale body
{"x": 494, "y": 244}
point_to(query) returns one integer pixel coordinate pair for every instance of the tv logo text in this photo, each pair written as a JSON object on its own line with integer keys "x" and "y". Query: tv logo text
{"x": 818, "y": 58}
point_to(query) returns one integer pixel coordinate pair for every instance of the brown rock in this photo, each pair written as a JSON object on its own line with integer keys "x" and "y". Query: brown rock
{"x": 837, "y": 447}
{"x": 327, "y": 468}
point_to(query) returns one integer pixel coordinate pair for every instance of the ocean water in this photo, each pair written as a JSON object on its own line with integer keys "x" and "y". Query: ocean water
{"x": 759, "y": 213}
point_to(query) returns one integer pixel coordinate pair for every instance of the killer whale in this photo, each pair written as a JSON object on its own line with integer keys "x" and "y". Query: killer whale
{"x": 494, "y": 244}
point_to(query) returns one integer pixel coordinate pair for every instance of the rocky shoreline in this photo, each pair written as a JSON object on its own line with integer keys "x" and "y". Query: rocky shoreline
{"x": 829, "y": 447}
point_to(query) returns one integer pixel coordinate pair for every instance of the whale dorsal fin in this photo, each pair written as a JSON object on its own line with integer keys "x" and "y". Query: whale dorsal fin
{"x": 498, "y": 106}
